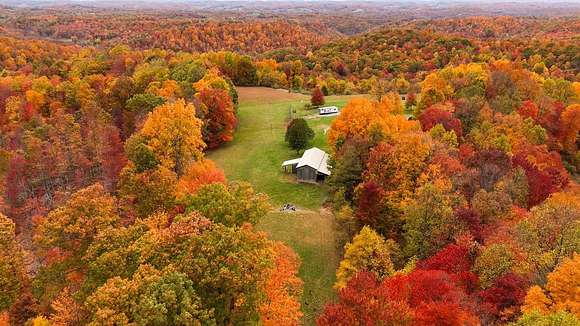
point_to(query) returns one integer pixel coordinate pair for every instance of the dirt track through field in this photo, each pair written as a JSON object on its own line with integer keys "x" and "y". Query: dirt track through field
{"x": 267, "y": 95}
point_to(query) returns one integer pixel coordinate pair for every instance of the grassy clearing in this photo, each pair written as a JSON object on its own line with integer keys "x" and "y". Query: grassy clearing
{"x": 256, "y": 156}
{"x": 258, "y": 150}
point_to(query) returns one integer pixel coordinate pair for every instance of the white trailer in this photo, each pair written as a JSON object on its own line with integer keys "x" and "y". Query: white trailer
{"x": 328, "y": 110}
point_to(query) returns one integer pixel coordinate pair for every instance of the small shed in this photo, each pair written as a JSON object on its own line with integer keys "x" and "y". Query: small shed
{"x": 290, "y": 165}
{"x": 312, "y": 167}
{"x": 325, "y": 110}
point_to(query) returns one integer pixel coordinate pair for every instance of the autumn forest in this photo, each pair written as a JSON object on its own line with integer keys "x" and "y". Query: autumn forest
{"x": 133, "y": 192}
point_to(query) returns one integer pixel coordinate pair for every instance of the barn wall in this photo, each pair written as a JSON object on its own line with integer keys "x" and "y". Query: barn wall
{"x": 306, "y": 173}
{"x": 293, "y": 168}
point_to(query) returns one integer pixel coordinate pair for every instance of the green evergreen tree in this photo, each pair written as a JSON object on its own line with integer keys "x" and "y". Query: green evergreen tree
{"x": 299, "y": 134}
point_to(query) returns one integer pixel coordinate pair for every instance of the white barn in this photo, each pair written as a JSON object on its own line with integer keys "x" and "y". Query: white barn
{"x": 311, "y": 167}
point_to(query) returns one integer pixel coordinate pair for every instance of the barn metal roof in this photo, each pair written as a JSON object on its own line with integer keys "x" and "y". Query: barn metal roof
{"x": 291, "y": 162}
{"x": 314, "y": 158}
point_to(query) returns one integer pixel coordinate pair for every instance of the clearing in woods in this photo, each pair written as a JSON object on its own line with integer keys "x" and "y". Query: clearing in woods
{"x": 256, "y": 154}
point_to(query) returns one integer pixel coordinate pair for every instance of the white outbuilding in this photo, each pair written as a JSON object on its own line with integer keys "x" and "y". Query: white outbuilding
{"x": 327, "y": 110}
{"x": 311, "y": 167}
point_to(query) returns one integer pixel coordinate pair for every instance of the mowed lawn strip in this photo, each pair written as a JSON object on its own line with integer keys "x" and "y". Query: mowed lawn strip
{"x": 313, "y": 236}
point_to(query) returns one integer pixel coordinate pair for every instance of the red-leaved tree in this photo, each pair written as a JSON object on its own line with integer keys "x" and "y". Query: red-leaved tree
{"x": 437, "y": 114}
{"x": 317, "y": 98}
{"x": 218, "y": 115}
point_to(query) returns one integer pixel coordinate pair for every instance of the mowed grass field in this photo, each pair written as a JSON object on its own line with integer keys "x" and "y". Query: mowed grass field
{"x": 256, "y": 155}
{"x": 312, "y": 234}
{"x": 258, "y": 149}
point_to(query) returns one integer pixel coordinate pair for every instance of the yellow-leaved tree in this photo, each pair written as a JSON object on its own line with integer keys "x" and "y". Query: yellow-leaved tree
{"x": 174, "y": 134}
{"x": 393, "y": 102}
{"x": 368, "y": 251}
{"x": 11, "y": 265}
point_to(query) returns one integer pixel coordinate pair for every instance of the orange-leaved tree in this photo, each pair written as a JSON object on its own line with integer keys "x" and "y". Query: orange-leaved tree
{"x": 368, "y": 119}
{"x": 561, "y": 291}
{"x": 197, "y": 175}
{"x": 283, "y": 288}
